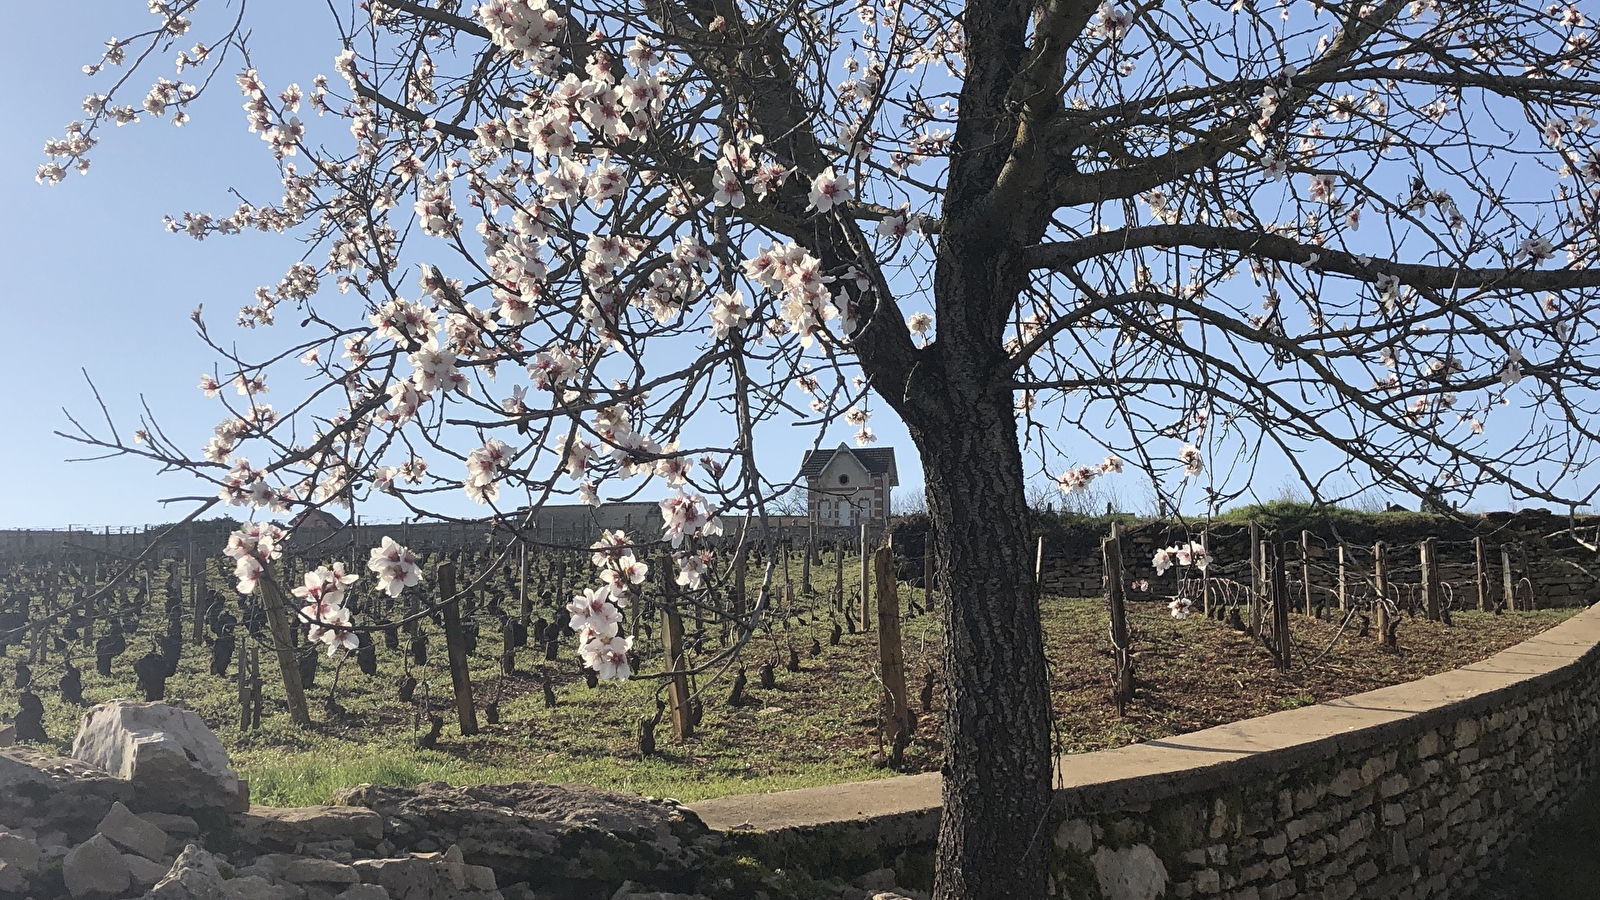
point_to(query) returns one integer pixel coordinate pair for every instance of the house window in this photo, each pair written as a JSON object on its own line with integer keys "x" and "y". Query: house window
{"x": 844, "y": 479}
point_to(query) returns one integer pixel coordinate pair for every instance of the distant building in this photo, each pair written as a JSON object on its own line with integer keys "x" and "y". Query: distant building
{"x": 316, "y": 521}
{"x": 845, "y": 486}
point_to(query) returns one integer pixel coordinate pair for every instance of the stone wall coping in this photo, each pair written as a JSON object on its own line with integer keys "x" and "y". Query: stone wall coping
{"x": 897, "y": 808}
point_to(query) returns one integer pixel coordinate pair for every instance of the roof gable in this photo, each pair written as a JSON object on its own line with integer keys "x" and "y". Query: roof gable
{"x": 876, "y": 460}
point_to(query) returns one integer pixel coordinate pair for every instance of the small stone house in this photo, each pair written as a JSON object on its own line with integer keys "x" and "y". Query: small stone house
{"x": 845, "y": 486}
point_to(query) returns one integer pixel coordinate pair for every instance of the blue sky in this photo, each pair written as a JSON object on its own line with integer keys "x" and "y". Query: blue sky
{"x": 95, "y": 283}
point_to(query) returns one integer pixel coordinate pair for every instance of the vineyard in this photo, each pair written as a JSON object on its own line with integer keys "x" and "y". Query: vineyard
{"x": 804, "y": 700}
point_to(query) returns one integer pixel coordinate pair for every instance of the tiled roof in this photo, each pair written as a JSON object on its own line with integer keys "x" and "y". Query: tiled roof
{"x": 876, "y": 460}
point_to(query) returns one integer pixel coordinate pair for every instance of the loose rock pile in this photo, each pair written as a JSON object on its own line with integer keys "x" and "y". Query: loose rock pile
{"x": 147, "y": 807}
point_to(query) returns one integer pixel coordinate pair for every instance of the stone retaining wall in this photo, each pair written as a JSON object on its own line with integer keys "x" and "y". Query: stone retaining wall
{"x": 1409, "y": 792}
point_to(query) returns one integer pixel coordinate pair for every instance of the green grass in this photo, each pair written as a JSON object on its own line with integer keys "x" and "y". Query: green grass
{"x": 815, "y": 727}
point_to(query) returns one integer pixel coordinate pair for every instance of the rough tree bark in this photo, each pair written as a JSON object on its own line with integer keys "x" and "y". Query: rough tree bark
{"x": 997, "y": 755}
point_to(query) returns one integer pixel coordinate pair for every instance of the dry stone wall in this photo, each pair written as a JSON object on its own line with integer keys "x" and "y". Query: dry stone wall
{"x": 1413, "y": 792}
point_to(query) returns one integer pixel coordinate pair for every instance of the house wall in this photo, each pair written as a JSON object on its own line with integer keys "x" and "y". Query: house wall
{"x": 825, "y": 495}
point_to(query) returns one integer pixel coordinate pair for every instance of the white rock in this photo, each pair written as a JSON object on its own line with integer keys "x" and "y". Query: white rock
{"x": 95, "y": 868}
{"x": 130, "y": 832}
{"x": 193, "y": 876}
{"x": 1132, "y": 873}
{"x": 172, "y": 759}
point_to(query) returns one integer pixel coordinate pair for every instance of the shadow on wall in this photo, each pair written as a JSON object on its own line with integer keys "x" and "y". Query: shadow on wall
{"x": 1560, "y": 862}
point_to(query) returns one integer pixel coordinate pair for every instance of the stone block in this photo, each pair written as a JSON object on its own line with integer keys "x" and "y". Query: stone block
{"x": 1075, "y": 834}
{"x": 1346, "y": 783}
{"x": 286, "y": 829}
{"x": 20, "y": 852}
{"x": 12, "y": 880}
{"x": 94, "y": 869}
{"x": 321, "y": 871}
{"x": 193, "y": 876}
{"x": 1131, "y": 873}
{"x": 254, "y": 887}
{"x": 175, "y": 825}
{"x": 145, "y": 872}
{"x": 170, "y": 757}
{"x": 132, "y": 833}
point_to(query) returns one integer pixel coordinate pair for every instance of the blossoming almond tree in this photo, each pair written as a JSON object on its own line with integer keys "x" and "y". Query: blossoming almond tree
{"x": 548, "y": 236}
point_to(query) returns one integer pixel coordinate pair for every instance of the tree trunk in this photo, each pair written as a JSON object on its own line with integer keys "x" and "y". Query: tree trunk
{"x": 994, "y": 833}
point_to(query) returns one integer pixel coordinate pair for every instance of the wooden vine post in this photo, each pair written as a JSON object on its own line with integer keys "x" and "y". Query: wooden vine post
{"x": 456, "y": 650}
{"x": 1305, "y": 571}
{"x": 525, "y": 610}
{"x": 838, "y": 574}
{"x": 1506, "y": 580}
{"x": 927, "y": 568}
{"x": 282, "y": 629}
{"x": 197, "y": 597}
{"x": 672, "y": 648}
{"x": 1281, "y": 639}
{"x": 1038, "y": 561}
{"x": 1481, "y": 572}
{"x": 891, "y": 655}
{"x": 738, "y": 583}
{"x": 1122, "y": 652}
{"x": 508, "y": 647}
{"x": 1344, "y": 584}
{"x": 1380, "y": 586}
{"x": 1257, "y": 580}
{"x": 805, "y": 565}
{"x": 1429, "y": 558}
{"x": 866, "y": 579}
{"x": 244, "y": 680}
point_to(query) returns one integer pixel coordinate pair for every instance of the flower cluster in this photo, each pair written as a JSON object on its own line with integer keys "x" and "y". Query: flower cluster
{"x": 596, "y": 613}
{"x": 483, "y": 466}
{"x": 395, "y": 566}
{"x": 251, "y": 547}
{"x": 686, "y": 515}
{"x": 1079, "y": 478}
{"x": 796, "y": 276}
{"x": 1181, "y": 608}
{"x": 244, "y": 486}
{"x": 329, "y": 618}
{"x": 523, "y": 27}
{"x": 1193, "y": 462}
{"x": 1190, "y": 554}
